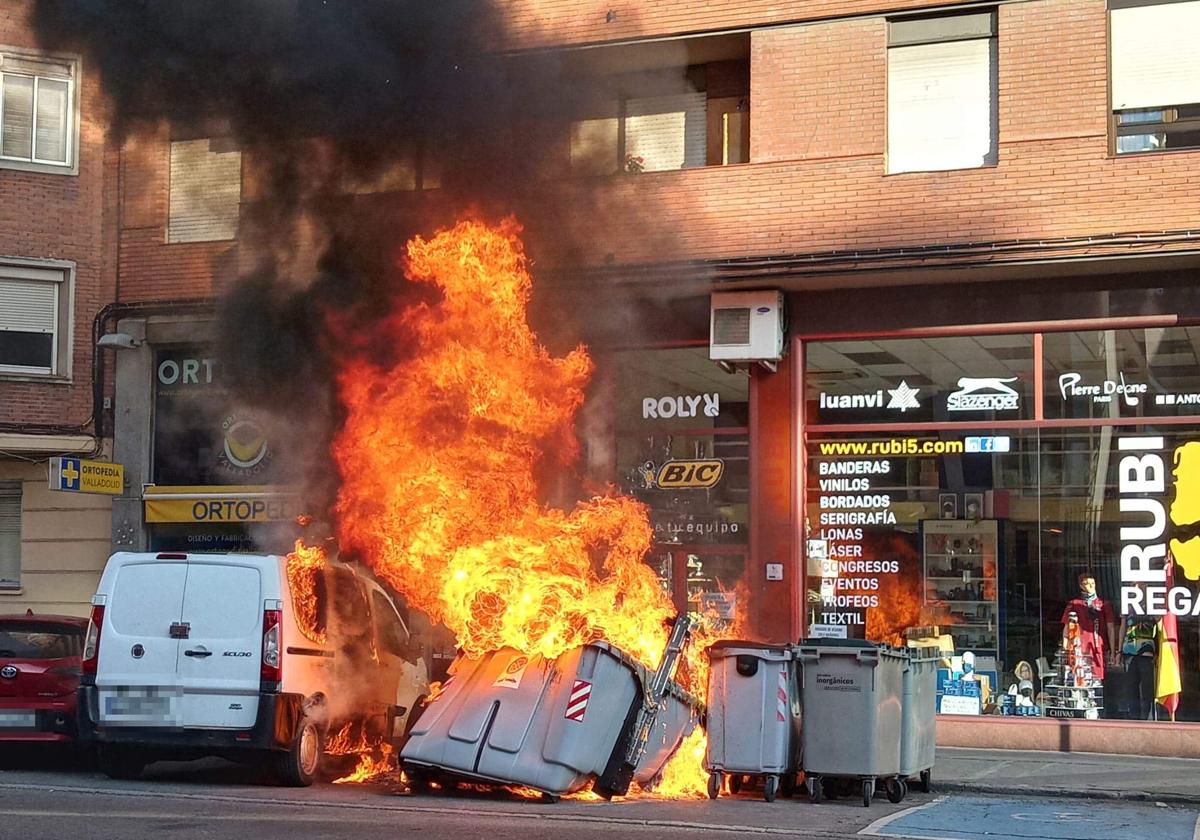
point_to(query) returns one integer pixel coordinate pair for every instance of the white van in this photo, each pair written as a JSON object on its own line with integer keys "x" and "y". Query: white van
{"x": 189, "y": 655}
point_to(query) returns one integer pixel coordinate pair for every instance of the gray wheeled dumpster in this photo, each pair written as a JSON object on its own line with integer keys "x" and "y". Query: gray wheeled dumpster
{"x": 753, "y": 716}
{"x": 918, "y": 730}
{"x": 853, "y": 694}
{"x": 552, "y": 725}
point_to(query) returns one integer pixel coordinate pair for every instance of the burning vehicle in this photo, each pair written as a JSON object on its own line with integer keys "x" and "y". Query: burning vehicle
{"x": 285, "y": 662}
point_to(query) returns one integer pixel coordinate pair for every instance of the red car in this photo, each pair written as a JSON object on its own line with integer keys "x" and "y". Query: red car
{"x": 39, "y": 676}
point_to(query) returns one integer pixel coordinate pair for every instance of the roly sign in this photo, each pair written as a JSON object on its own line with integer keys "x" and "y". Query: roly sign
{"x": 689, "y": 405}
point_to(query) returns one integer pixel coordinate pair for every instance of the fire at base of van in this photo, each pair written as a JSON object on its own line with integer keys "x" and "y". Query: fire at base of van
{"x": 1159, "y": 600}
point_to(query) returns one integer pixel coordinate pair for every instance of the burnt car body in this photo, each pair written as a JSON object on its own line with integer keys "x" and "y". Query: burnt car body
{"x": 39, "y": 676}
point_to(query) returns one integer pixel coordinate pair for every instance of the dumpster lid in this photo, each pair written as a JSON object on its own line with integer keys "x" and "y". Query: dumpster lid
{"x": 641, "y": 672}
{"x": 736, "y": 647}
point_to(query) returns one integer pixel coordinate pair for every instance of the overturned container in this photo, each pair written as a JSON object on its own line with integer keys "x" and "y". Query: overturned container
{"x": 753, "y": 716}
{"x": 549, "y": 724}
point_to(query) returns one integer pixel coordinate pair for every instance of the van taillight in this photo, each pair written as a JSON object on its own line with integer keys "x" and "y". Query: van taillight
{"x": 272, "y": 654}
{"x": 91, "y": 642}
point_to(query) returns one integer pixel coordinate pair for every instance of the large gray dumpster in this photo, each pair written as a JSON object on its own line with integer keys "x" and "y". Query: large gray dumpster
{"x": 852, "y": 694}
{"x": 551, "y": 725}
{"x": 918, "y": 729}
{"x": 753, "y": 716}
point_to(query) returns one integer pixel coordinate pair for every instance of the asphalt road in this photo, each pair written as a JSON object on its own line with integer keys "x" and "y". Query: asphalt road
{"x": 216, "y": 800}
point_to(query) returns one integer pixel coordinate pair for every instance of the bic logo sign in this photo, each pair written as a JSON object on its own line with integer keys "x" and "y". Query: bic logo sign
{"x": 689, "y": 474}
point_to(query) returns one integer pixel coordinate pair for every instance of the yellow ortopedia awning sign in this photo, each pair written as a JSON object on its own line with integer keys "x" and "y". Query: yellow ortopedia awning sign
{"x": 215, "y": 505}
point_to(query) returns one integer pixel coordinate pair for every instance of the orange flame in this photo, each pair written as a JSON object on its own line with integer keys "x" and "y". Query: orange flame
{"x": 305, "y": 565}
{"x": 439, "y": 457}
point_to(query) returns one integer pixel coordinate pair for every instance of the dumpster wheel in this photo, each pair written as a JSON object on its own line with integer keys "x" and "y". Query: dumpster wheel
{"x": 925, "y": 777}
{"x": 714, "y": 784}
{"x": 896, "y": 790}
{"x": 868, "y": 790}
{"x": 814, "y": 789}
{"x": 735, "y": 783}
{"x": 770, "y": 787}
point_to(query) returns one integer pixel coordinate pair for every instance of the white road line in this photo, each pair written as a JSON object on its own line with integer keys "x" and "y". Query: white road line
{"x": 1196, "y": 830}
{"x": 875, "y": 828}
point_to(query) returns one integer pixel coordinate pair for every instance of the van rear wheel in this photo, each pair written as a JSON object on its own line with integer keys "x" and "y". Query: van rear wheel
{"x": 120, "y": 763}
{"x": 298, "y": 766}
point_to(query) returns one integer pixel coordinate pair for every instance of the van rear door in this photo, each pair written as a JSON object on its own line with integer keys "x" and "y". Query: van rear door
{"x": 136, "y": 670}
{"x": 219, "y": 664}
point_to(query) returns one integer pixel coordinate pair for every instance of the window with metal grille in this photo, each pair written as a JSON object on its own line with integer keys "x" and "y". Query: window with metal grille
{"x": 1155, "y": 74}
{"x": 38, "y": 125}
{"x": 731, "y": 326}
{"x": 10, "y": 534}
{"x": 34, "y": 326}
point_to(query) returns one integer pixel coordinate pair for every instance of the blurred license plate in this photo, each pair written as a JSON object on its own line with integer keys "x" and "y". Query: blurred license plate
{"x": 138, "y": 706}
{"x": 17, "y": 720}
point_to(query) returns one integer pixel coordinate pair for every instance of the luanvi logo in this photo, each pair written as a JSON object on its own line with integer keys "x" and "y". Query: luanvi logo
{"x": 902, "y": 398}
{"x": 990, "y": 393}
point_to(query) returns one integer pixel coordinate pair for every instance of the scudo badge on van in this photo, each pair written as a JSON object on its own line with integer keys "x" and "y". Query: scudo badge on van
{"x": 236, "y": 653}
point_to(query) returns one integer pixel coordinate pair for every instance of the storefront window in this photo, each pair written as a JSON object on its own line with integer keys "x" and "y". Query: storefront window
{"x": 915, "y": 380}
{"x": 682, "y": 447}
{"x": 1035, "y": 556}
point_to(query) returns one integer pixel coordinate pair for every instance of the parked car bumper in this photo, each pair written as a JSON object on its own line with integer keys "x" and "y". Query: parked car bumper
{"x": 274, "y": 728}
{"x": 38, "y": 720}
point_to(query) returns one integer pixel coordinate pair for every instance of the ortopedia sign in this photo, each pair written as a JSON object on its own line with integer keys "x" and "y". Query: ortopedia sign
{"x": 220, "y": 505}
{"x": 78, "y": 475}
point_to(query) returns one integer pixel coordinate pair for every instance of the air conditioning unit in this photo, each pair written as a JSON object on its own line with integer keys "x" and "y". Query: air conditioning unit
{"x": 747, "y": 327}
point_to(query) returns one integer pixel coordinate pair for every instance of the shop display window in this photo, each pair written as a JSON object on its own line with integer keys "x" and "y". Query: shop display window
{"x": 680, "y": 444}
{"x": 1054, "y": 563}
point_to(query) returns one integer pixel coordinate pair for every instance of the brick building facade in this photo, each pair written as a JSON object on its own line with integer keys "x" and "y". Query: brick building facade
{"x": 971, "y": 180}
{"x": 58, "y": 203}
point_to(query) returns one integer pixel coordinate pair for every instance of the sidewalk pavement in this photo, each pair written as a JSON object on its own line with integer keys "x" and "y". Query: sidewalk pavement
{"x": 1094, "y": 775}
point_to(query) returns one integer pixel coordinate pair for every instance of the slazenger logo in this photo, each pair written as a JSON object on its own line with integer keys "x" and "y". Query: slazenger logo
{"x": 689, "y": 474}
{"x": 1068, "y": 384}
{"x": 995, "y": 396}
{"x": 664, "y": 408}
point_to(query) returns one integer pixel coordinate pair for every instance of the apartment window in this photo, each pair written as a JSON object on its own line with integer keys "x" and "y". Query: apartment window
{"x": 206, "y": 191}
{"x": 37, "y": 112}
{"x": 35, "y": 319}
{"x": 1155, "y": 75}
{"x": 942, "y": 92}
{"x": 643, "y": 134}
{"x": 10, "y": 534}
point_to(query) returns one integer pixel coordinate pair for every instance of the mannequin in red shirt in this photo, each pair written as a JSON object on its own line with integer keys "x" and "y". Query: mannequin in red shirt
{"x": 1097, "y": 624}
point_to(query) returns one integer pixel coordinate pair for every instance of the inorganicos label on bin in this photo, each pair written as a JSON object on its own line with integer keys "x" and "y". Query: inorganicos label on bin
{"x": 834, "y": 682}
{"x": 510, "y": 677}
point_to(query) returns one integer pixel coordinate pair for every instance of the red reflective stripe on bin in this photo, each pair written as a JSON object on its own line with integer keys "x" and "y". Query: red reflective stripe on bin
{"x": 781, "y": 696}
{"x": 581, "y": 691}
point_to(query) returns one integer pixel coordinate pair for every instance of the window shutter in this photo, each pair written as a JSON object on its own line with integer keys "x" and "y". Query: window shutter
{"x": 53, "y": 104}
{"x": 17, "y": 119}
{"x": 10, "y": 533}
{"x": 206, "y": 190}
{"x": 668, "y": 132}
{"x": 1154, "y": 55}
{"x": 940, "y": 106}
{"x": 29, "y": 306}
